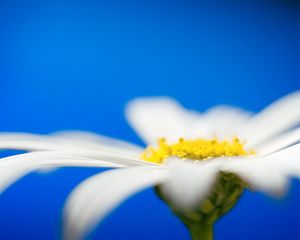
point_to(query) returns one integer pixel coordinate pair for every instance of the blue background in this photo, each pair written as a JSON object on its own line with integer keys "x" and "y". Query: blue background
{"x": 74, "y": 65}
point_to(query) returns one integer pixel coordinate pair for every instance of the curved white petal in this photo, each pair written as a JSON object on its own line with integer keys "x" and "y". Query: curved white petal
{"x": 268, "y": 173}
{"x": 26, "y": 141}
{"x": 259, "y": 174}
{"x": 14, "y": 167}
{"x": 63, "y": 142}
{"x": 226, "y": 120}
{"x": 95, "y": 140}
{"x": 280, "y": 116}
{"x": 30, "y": 145}
{"x": 189, "y": 182}
{"x": 153, "y": 118}
{"x": 94, "y": 198}
{"x": 280, "y": 142}
{"x": 287, "y": 160}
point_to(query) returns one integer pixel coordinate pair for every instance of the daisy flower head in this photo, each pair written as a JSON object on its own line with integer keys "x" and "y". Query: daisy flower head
{"x": 199, "y": 163}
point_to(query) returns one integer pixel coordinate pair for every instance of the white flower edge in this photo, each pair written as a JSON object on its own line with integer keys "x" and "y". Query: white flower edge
{"x": 84, "y": 208}
{"x": 14, "y": 167}
{"x": 66, "y": 140}
{"x": 273, "y": 120}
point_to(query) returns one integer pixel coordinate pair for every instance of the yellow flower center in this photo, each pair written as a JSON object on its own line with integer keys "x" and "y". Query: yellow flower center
{"x": 198, "y": 149}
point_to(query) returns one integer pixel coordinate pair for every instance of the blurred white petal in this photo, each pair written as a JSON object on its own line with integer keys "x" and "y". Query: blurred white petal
{"x": 26, "y": 141}
{"x": 153, "y": 118}
{"x": 14, "y": 167}
{"x": 37, "y": 142}
{"x": 259, "y": 174}
{"x": 97, "y": 196}
{"x": 280, "y": 116}
{"x": 93, "y": 140}
{"x": 189, "y": 182}
{"x": 287, "y": 160}
{"x": 268, "y": 173}
{"x": 279, "y": 142}
{"x": 226, "y": 120}
{"x": 31, "y": 145}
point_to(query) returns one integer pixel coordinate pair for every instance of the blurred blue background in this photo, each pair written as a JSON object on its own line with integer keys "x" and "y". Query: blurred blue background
{"x": 74, "y": 65}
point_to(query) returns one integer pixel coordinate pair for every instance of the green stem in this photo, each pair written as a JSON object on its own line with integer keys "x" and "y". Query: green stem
{"x": 201, "y": 231}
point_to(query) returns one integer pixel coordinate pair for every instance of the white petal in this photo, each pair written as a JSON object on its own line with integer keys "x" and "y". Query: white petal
{"x": 287, "y": 160}
{"x": 268, "y": 173}
{"x": 26, "y": 141}
{"x": 226, "y": 120}
{"x": 35, "y": 142}
{"x": 14, "y": 167}
{"x": 280, "y": 116}
{"x": 260, "y": 175}
{"x": 93, "y": 140}
{"x": 97, "y": 196}
{"x": 189, "y": 183}
{"x": 30, "y": 145}
{"x": 279, "y": 142}
{"x": 153, "y": 118}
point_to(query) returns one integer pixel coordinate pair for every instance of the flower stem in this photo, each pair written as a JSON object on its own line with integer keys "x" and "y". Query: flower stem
{"x": 222, "y": 198}
{"x": 201, "y": 231}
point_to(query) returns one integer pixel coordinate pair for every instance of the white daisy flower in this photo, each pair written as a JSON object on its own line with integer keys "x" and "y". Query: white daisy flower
{"x": 199, "y": 163}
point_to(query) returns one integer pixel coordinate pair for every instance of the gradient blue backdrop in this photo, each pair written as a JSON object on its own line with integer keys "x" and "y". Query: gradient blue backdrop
{"x": 74, "y": 65}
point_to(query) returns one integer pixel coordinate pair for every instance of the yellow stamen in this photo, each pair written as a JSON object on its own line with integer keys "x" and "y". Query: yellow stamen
{"x": 199, "y": 149}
